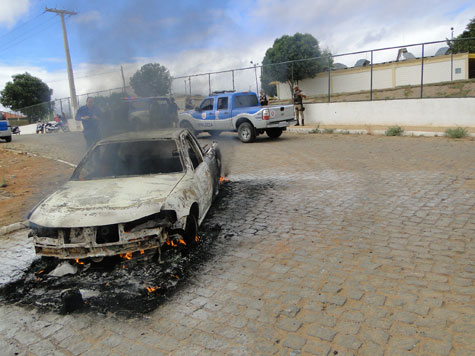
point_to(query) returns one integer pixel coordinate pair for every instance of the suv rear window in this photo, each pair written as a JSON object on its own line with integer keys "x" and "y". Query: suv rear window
{"x": 243, "y": 101}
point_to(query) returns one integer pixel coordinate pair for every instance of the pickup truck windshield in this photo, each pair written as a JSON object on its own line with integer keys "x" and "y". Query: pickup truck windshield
{"x": 119, "y": 159}
{"x": 243, "y": 101}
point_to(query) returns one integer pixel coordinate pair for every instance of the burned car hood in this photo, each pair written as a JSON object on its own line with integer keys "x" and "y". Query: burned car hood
{"x": 105, "y": 201}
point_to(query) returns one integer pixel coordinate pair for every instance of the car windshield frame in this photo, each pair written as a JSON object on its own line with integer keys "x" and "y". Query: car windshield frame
{"x": 76, "y": 176}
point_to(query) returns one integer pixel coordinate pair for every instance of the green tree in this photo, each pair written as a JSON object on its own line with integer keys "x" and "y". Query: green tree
{"x": 152, "y": 79}
{"x": 467, "y": 45}
{"x": 291, "y": 48}
{"x": 27, "y": 94}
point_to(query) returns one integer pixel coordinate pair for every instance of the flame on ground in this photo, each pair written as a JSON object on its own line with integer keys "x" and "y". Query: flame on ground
{"x": 142, "y": 252}
{"x": 79, "y": 262}
{"x": 40, "y": 271}
{"x": 127, "y": 256}
{"x": 171, "y": 243}
{"x": 181, "y": 241}
{"x": 197, "y": 238}
{"x": 223, "y": 179}
{"x": 152, "y": 289}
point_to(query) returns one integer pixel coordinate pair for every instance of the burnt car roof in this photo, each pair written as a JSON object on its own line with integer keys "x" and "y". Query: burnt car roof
{"x": 145, "y": 135}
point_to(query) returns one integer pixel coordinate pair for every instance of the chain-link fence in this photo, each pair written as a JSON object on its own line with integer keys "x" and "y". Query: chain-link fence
{"x": 423, "y": 70}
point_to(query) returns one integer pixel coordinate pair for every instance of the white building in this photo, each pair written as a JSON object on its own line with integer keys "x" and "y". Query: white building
{"x": 387, "y": 75}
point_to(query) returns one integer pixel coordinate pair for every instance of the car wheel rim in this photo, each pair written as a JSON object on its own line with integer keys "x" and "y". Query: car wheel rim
{"x": 245, "y": 133}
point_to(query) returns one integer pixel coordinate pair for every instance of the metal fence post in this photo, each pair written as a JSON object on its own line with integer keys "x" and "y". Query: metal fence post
{"x": 209, "y": 83}
{"x": 371, "y": 79}
{"x": 189, "y": 84}
{"x": 292, "y": 66}
{"x": 329, "y": 79}
{"x": 422, "y": 70}
{"x": 233, "y": 80}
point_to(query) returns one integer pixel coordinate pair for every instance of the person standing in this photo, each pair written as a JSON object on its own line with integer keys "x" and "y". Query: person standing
{"x": 89, "y": 116}
{"x": 298, "y": 105}
{"x": 188, "y": 103}
{"x": 263, "y": 98}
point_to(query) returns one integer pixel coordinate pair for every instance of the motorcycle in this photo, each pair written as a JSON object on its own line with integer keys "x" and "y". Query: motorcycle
{"x": 15, "y": 130}
{"x": 52, "y": 126}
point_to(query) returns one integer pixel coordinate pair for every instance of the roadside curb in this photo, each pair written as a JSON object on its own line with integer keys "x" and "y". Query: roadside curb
{"x": 4, "y": 230}
{"x": 37, "y": 155}
{"x": 308, "y": 130}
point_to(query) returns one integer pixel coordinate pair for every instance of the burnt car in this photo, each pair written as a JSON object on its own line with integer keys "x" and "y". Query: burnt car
{"x": 131, "y": 192}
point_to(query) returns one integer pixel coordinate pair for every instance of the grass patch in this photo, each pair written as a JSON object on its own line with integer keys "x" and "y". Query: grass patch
{"x": 458, "y": 132}
{"x": 328, "y": 131}
{"x": 394, "y": 131}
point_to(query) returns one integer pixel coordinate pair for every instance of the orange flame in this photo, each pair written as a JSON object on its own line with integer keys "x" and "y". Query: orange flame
{"x": 142, "y": 252}
{"x": 79, "y": 262}
{"x": 40, "y": 271}
{"x": 176, "y": 276}
{"x": 127, "y": 256}
{"x": 182, "y": 242}
{"x": 171, "y": 242}
{"x": 152, "y": 289}
{"x": 123, "y": 266}
{"x": 223, "y": 180}
{"x": 197, "y": 238}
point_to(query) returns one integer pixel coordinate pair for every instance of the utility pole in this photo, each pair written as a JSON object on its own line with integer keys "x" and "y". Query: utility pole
{"x": 72, "y": 88}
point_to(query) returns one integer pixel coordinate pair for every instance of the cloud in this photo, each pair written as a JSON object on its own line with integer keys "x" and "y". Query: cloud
{"x": 11, "y": 10}
{"x": 87, "y": 17}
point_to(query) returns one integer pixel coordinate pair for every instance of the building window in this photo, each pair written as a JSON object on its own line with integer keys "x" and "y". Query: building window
{"x": 458, "y": 70}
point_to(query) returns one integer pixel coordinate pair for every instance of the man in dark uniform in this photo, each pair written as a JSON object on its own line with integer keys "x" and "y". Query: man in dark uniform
{"x": 89, "y": 116}
{"x": 298, "y": 104}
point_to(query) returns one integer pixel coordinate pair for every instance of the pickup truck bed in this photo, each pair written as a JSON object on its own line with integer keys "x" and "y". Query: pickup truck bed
{"x": 238, "y": 112}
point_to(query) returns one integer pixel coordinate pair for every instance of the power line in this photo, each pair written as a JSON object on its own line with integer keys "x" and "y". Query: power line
{"x": 85, "y": 76}
{"x": 27, "y": 35}
{"x": 22, "y": 25}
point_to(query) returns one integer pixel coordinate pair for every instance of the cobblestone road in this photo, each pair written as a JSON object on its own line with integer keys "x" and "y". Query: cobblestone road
{"x": 361, "y": 245}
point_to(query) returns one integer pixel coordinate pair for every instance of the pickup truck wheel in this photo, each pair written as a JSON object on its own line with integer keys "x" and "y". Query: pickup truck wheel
{"x": 191, "y": 230}
{"x": 274, "y": 133}
{"x": 246, "y": 132}
{"x": 8, "y": 139}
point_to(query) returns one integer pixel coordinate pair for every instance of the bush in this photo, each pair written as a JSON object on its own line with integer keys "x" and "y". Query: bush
{"x": 459, "y": 132}
{"x": 328, "y": 131}
{"x": 394, "y": 131}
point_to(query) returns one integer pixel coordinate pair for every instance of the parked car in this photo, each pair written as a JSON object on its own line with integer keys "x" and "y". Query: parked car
{"x": 239, "y": 112}
{"x": 151, "y": 113}
{"x": 5, "y": 130}
{"x": 131, "y": 192}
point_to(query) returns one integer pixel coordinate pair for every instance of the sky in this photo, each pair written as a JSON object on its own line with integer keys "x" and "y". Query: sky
{"x": 190, "y": 37}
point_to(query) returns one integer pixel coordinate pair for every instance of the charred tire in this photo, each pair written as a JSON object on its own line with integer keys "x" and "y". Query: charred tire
{"x": 274, "y": 133}
{"x": 246, "y": 132}
{"x": 187, "y": 125}
{"x": 191, "y": 229}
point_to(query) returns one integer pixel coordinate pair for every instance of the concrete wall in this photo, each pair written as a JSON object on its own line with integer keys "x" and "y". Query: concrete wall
{"x": 445, "y": 112}
{"x": 385, "y": 75}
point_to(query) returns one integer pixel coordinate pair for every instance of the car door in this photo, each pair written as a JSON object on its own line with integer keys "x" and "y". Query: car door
{"x": 202, "y": 177}
{"x": 223, "y": 114}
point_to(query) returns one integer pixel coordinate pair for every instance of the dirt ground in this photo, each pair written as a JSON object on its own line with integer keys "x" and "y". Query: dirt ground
{"x": 20, "y": 175}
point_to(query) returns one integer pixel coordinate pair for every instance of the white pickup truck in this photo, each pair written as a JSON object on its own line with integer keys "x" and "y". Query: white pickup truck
{"x": 241, "y": 112}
